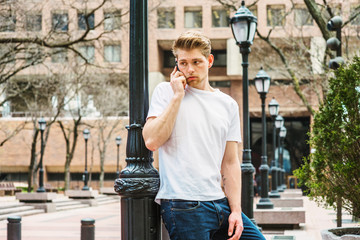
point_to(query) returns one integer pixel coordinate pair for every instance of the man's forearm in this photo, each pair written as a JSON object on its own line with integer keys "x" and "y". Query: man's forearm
{"x": 232, "y": 185}
{"x": 158, "y": 130}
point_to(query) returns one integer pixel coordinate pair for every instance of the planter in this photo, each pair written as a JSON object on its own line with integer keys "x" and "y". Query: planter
{"x": 343, "y": 233}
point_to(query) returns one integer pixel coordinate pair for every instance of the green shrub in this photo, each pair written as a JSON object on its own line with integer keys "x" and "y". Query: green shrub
{"x": 333, "y": 169}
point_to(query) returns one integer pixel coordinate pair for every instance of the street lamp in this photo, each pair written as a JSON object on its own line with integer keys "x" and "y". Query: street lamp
{"x": 262, "y": 84}
{"x": 118, "y": 142}
{"x": 139, "y": 181}
{"x": 243, "y": 26}
{"x": 42, "y": 126}
{"x": 86, "y": 134}
{"x": 279, "y": 122}
{"x": 282, "y": 135}
{"x": 274, "y": 110}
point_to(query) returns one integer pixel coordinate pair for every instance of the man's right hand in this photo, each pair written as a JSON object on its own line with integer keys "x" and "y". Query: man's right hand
{"x": 177, "y": 82}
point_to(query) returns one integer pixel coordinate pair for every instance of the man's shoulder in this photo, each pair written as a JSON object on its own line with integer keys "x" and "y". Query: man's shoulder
{"x": 163, "y": 86}
{"x": 227, "y": 98}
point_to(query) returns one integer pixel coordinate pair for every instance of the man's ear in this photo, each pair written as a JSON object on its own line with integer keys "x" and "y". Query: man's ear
{"x": 211, "y": 60}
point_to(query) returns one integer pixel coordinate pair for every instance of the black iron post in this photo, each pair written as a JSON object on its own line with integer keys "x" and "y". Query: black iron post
{"x": 282, "y": 135}
{"x": 118, "y": 142}
{"x": 262, "y": 83}
{"x": 279, "y": 182}
{"x": 247, "y": 169}
{"x": 279, "y": 123}
{"x": 42, "y": 126}
{"x": 87, "y": 229}
{"x": 139, "y": 180}
{"x": 273, "y": 170}
{"x": 14, "y": 228}
{"x": 86, "y": 134}
{"x": 243, "y": 26}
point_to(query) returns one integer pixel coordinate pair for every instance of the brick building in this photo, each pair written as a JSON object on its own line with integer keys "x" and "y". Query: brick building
{"x": 288, "y": 23}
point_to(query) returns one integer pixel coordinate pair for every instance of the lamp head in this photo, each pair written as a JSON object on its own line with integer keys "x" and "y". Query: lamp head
{"x": 86, "y": 134}
{"x": 334, "y": 23}
{"x": 279, "y": 121}
{"x": 273, "y": 108}
{"x": 42, "y": 124}
{"x": 335, "y": 63}
{"x": 282, "y": 132}
{"x": 262, "y": 81}
{"x": 243, "y": 25}
{"x": 118, "y": 140}
{"x": 333, "y": 43}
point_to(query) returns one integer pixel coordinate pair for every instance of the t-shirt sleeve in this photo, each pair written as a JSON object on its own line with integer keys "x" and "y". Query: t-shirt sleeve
{"x": 234, "y": 133}
{"x": 160, "y": 99}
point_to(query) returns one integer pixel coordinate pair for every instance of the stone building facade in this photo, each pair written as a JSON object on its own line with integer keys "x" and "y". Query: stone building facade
{"x": 167, "y": 19}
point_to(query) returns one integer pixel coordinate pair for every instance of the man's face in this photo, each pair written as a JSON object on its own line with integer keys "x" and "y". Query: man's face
{"x": 195, "y": 66}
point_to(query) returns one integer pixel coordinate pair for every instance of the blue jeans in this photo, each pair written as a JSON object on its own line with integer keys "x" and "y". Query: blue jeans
{"x": 202, "y": 220}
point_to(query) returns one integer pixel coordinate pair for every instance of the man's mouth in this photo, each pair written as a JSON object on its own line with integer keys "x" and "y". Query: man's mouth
{"x": 191, "y": 78}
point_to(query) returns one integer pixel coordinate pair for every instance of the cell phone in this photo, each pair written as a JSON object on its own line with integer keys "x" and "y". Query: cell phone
{"x": 177, "y": 67}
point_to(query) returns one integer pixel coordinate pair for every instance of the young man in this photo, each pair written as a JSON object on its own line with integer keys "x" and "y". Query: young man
{"x": 197, "y": 129}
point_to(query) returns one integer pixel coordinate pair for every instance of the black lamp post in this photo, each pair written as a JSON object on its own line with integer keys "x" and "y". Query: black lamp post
{"x": 274, "y": 110}
{"x": 118, "y": 142}
{"x": 279, "y": 122}
{"x": 42, "y": 126}
{"x": 243, "y": 26}
{"x": 282, "y": 135}
{"x": 262, "y": 84}
{"x": 86, "y": 134}
{"x": 138, "y": 182}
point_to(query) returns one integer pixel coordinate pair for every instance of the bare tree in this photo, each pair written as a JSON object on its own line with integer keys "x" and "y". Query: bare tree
{"x": 45, "y": 62}
{"x": 294, "y": 52}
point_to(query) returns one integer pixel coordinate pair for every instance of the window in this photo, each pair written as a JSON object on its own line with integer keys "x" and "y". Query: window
{"x": 168, "y": 59}
{"x": 193, "y": 18}
{"x": 356, "y": 20}
{"x": 85, "y": 20}
{"x": 219, "y": 58}
{"x": 112, "y": 53}
{"x": 8, "y": 22}
{"x": 112, "y": 20}
{"x": 59, "y": 55}
{"x": 335, "y": 9}
{"x": 302, "y": 17}
{"x": 60, "y": 22}
{"x": 275, "y": 15}
{"x": 88, "y": 52}
{"x": 253, "y": 9}
{"x": 220, "y": 18}
{"x": 166, "y": 17}
{"x": 7, "y": 54}
{"x": 34, "y": 54}
{"x": 33, "y": 22}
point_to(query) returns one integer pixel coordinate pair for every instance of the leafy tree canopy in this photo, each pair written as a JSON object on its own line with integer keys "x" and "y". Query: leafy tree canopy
{"x": 333, "y": 169}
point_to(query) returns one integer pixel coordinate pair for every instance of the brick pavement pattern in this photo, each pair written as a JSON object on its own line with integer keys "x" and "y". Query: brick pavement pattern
{"x": 65, "y": 225}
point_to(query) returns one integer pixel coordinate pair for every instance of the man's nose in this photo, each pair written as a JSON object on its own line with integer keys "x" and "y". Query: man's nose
{"x": 191, "y": 68}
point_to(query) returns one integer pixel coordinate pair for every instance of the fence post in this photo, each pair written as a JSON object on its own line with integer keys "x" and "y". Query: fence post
{"x": 14, "y": 228}
{"x": 88, "y": 229}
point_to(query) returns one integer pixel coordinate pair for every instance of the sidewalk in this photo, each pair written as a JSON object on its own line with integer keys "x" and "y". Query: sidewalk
{"x": 317, "y": 219}
{"x": 66, "y": 225}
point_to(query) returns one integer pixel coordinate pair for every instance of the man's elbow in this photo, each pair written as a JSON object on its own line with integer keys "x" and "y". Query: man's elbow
{"x": 151, "y": 144}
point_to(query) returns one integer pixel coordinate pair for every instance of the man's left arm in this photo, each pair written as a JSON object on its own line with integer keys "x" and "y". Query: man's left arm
{"x": 231, "y": 176}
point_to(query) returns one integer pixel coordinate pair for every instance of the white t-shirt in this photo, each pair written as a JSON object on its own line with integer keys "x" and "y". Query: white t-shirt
{"x": 190, "y": 160}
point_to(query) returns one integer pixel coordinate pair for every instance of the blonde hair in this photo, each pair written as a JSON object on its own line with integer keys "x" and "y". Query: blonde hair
{"x": 191, "y": 40}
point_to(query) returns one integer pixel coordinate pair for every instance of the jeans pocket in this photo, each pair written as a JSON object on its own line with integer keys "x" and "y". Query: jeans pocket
{"x": 184, "y": 205}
